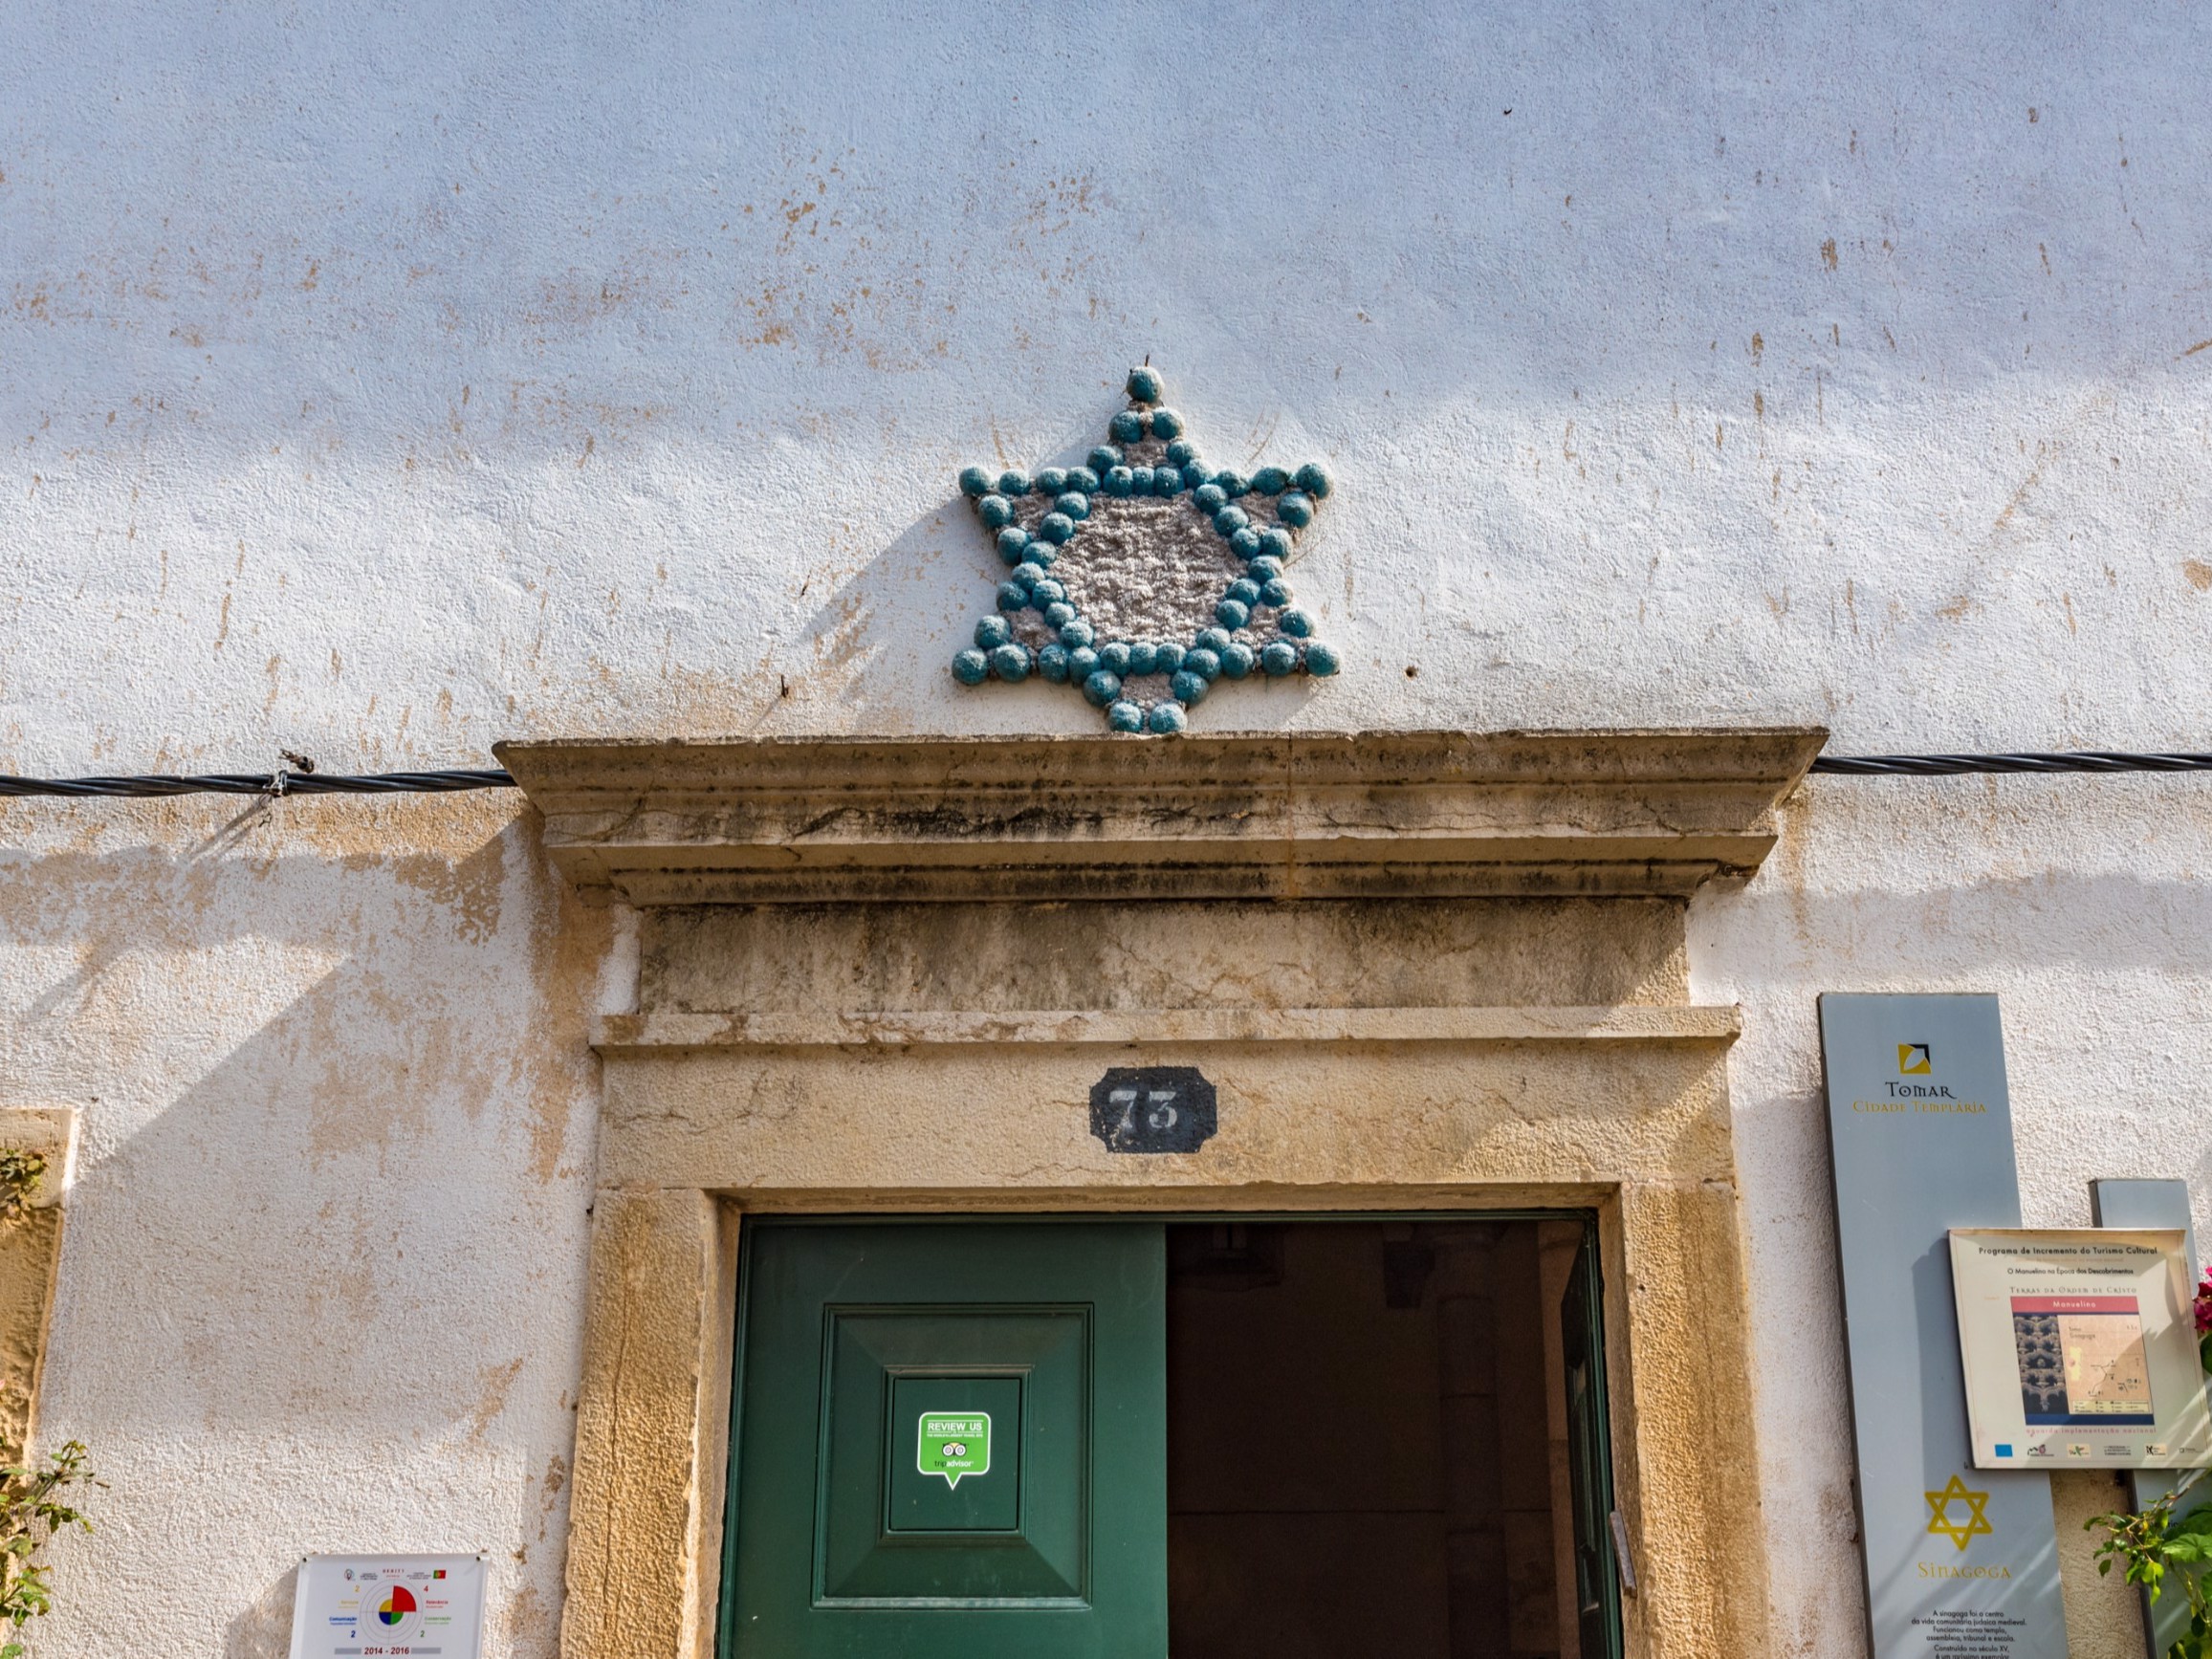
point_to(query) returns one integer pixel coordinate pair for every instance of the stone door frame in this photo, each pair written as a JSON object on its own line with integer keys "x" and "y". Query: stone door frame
{"x": 750, "y": 1081}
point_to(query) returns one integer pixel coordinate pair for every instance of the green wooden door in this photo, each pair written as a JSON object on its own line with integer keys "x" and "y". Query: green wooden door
{"x": 950, "y": 1440}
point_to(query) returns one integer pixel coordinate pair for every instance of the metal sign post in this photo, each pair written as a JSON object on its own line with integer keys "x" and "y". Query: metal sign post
{"x": 1957, "y": 1561}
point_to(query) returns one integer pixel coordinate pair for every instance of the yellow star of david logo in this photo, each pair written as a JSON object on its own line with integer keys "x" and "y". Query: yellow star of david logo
{"x": 1975, "y": 1523}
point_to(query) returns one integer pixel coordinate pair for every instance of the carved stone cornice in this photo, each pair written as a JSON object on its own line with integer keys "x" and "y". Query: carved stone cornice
{"x": 1229, "y": 816}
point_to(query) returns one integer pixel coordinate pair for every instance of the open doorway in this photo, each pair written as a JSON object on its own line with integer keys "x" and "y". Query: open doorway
{"x": 1386, "y": 1437}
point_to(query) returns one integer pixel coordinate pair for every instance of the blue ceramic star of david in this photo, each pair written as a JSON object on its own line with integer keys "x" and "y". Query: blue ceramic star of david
{"x": 1145, "y": 577}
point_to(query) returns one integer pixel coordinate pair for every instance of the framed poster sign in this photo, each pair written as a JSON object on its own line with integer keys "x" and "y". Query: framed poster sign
{"x": 388, "y": 1607}
{"x": 2079, "y": 1347}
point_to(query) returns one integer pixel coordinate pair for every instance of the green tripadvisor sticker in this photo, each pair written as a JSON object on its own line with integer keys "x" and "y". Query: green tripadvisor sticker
{"x": 953, "y": 1444}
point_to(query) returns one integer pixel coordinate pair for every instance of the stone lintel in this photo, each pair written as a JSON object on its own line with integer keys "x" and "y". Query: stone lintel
{"x": 677, "y": 1031}
{"x": 1278, "y": 815}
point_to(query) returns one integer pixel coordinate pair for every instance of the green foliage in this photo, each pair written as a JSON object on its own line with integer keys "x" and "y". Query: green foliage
{"x": 20, "y": 1173}
{"x": 32, "y": 1509}
{"x": 2148, "y": 1547}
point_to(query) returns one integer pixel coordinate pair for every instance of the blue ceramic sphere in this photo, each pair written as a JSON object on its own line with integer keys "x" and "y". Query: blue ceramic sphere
{"x": 1076, "y": 633}
{"x": 1206, "y": 664}
{"x": 1236, "y": 661}
{"x": 1195, "y": 476}
{"x": 1295, "y": 509}
{"x": 1082, "y": 664}
{"x": 1118, "y": 480}
{"x": 1274, "y": 542}
{"x": 1074, "y": 503}
{"x": 1278, "y": 657}
{"x": 1102, "y": 688}
{"x": 991, "y": 632}
{"x": 1114, "y": 658}
{"x": 971, "y": 667}
{"x": 1319, "y": 661}
{"x": 1271, "y": 481}
{"x": 1215, "y": 640}
{"x": 1231, "y": 612}
{"x": 974, "y": 481}
{"x": 1190, "y": 688}
{"x": 1233, "y": 484}
{"x": 1244, "y": 591}
{"x": 1265, "y": 568}
{"x": 1083, "y": 480}
{"x": 1028, "y": 573}
{"x": 1245, "y": 542}
{"x": 1105, "y": 459}
{"x": 1297, "y": 624}
{"x": 1052, "y": 664}
{"x": 1013, "y": 482}
{"x": 1012, "y": 596}
{"x": 1209, "y": 499}
{"x": 1143, "y": 385}
{"x": 995, "y": 512}
{"x": 1166, "y": 423}
{"x": 1144, "y": 657}
{"x": 1013, "y": 544}
{"x": 1140, "y": 480}
{"x": 1046, "y": 592}
{"x": 1276, "y": 592}
{"x": 1230, "y": 519}
{"x": 1167, "y": 481}
{"x": 1168, "y": 658}
{"x": 1167, "y": 719}
{"x": 1128, "y": 427}
{"x": 1314, "y": 480}
{"x": 1011, "y": 664}
{"x": 1056, "y": 527}
{"x": 1125, "y": 716}
{"x": 1059, "y": 613}
{"x": 1182, "y": 452}
{"x": 1050, "y": 480}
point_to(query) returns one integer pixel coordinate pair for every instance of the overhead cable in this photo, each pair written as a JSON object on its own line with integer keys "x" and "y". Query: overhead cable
{"x": 271, "y": 783}
{"x": 286, "y": 783}
{"x": 1955, "y": 764}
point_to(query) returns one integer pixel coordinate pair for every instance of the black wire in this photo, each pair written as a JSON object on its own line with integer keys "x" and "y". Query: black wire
{"x": 1955, "y": 764}
{"x": 2088, "y": 760}
{"x": 266, "y": 783}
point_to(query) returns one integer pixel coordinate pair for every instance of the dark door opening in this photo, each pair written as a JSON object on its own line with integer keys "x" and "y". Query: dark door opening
{"x": 1382, "y": 1438}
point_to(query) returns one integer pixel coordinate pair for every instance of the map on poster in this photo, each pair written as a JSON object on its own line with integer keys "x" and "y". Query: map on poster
{"x": 2079, "y": 1348}
{"x": 388, "y": 1607}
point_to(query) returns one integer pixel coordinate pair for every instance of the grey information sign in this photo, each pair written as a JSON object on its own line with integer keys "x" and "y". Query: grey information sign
{"x": 1961, "y": 1564}
{"x": 2154, "y": 1204}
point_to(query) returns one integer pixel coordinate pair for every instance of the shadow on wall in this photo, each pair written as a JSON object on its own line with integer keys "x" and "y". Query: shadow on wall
{"x": 264, "y": 1630}
{"x": 942, "y": 573}
{"x": 2109, "y": 921}
{"x": 326, "y": 1294}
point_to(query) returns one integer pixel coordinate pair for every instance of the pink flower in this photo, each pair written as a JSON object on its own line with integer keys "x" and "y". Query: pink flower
{"x": 2204, "y": 1304}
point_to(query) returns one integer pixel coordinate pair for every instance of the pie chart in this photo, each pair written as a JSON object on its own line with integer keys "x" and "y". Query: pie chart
{"x": 389, "y": 1611}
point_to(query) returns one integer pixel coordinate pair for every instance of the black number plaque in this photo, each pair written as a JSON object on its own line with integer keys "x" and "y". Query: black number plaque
{"x": 1167, "y": 1109}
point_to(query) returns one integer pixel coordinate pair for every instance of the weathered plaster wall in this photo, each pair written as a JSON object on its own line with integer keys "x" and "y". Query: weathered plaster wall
{"x": 2086, "y": 910}
{"x": 321, "y": 1282}
{"x": 378, "y": 385}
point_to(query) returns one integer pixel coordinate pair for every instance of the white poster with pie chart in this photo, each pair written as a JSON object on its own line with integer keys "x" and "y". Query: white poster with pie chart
{"x": 388, "y": 1607}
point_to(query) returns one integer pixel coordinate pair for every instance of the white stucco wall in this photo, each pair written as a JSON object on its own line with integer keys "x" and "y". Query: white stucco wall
{"x": 380, "y": 386}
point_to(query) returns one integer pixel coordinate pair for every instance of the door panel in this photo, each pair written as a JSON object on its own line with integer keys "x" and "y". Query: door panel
{"x": 1011, "y": 1531}
{"x": 951, "y": 1439}
{"x": 1590, "y": 1456}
